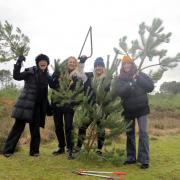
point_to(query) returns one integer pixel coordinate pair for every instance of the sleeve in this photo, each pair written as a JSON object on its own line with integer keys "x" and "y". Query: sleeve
{"x": 121, "y": 88}
{"x": 145, "y": 82}
{"x": 17, "y": 75}
{"x": 54, "y": 81}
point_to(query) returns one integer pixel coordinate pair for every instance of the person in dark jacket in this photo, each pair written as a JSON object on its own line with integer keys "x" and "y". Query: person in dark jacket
{"x": 64, "y": 115}
{"x": 31, "y": 106}
{"x": 133, "y": 87}
{"x": 98, "y": 74}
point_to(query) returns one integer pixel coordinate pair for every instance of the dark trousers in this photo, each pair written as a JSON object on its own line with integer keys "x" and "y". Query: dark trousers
{"x": 143, "y": 145}
{"x": 15, "y": 135}
{"x": 18, "y": 129}
{"x": 63, "y": 121}
{"x": 82, "y": 135}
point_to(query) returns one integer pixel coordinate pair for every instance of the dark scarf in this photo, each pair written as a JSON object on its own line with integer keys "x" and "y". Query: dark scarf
{"x": 42, "y": 85}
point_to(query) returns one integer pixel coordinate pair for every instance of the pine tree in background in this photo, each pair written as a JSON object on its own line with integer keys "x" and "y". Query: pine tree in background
{"x": 12, "y": 44}
{"x": 148, "y": 49}
{"x": 106, "y": 110}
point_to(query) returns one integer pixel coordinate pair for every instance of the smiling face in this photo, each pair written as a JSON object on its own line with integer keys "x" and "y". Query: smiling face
{"x": 99, "y": 70}
{"x": 42, "y": 65}
{"x": 127, "y": 66}
{"x": 72, "y": 64}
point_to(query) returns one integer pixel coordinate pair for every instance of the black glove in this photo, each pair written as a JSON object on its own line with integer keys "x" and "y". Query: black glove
{"x": 83, "y": 59}
{"x": 20, "y": 60}
{"x": 56, "y": 75}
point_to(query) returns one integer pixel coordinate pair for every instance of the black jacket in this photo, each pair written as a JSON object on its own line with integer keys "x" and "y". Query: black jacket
{"x": 55, "y": 84}
{"x": 31, "y": 95}
{"x": 134, "y": 95}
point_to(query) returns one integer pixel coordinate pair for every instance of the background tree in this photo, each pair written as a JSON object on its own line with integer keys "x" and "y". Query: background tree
{"x": 12, "y": 44}
{"x": 172, "y": 87}
{"x": 147, "y": 49}
{"x": 5, "y": 77}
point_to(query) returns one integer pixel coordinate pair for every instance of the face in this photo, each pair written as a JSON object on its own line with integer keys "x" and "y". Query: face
{"x": 72, "y": 64}
{"x": 99, "y": 70}
{"x": 42, "y": 65}
{"x": 127, "y": 66}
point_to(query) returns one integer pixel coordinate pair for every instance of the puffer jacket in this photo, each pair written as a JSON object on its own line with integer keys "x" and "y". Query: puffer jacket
{"x": 27, "y": 101}
{"x": 134, "y": 95}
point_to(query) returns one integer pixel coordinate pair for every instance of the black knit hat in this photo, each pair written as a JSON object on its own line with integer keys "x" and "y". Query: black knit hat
{"x": 42, "y": 57}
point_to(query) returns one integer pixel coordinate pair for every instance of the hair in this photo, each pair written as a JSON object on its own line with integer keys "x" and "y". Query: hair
{"x": 42, "y": 57}
{"x": 71, "y": 57}
{"x": 128, "y": 75}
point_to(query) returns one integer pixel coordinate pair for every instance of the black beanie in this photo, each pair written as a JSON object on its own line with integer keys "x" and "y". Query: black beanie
{"x": 42, "y": 57}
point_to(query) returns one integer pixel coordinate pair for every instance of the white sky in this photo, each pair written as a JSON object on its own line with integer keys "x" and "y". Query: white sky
{"x": 58, "y": 27}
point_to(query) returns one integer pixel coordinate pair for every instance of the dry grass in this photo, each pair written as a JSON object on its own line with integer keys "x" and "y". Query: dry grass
{"x": 161, "y": 123}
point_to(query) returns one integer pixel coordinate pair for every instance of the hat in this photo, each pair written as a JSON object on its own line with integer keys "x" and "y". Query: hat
{"x": 99, "y": 61}
{"x": 41, "y": 57}
{"x": 127, "y": 59}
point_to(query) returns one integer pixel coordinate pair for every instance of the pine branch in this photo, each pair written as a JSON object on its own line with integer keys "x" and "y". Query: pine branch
{"x": 12, "y": 44}
{"x": 151, "y": 37}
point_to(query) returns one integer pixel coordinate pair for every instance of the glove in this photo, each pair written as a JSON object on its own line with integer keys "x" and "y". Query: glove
{"x": 83, "y": 59}
{"x": 56, "y": 75}
{"x": 20, "y": 60}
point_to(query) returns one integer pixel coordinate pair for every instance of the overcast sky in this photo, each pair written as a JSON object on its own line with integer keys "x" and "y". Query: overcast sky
{"x": 58, "y": 27}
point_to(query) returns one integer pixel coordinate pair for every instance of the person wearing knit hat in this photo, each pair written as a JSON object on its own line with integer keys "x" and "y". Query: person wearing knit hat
{"x": 99, "y": 68}
{"x": 99, "y": 62}
{"x": 42, "y": 57}
{"x": 98, "y": 74}
{"x": 133, "y": 87}
{"x": 127, "y": 59}
{"x": 31, "y": 106}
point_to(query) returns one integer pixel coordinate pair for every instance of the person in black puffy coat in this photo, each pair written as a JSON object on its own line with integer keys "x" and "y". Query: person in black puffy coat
{"x": 133, "y": 87}
{"x": 31, "y": 106}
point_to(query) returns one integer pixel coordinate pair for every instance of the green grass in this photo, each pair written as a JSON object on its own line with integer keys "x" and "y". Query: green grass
{"x": 167, "y": 105}
{"x": 9, "y": 92}
{"x": 165, "y": 164}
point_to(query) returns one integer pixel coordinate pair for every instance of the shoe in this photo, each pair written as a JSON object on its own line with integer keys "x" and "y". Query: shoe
{"x": 144, "y": 166}
{"x": 70, "y": 155}
{"x": 58, "y": 151}
{"x": 129, "y": 162}
{"x": 7, "y": 154}
{"x": 34, "y": 154}
{"x": 99, "y": 153}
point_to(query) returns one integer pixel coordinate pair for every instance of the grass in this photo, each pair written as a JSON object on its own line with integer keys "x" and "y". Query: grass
{"x": 165, "y": 105}
{"x": 165, "y": 147}
{"x": 164, "y": 164}
{"x": 10, "y": 92}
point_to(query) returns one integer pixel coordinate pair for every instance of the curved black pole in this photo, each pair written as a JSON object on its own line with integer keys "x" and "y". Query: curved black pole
{"x": 88, "y": 33}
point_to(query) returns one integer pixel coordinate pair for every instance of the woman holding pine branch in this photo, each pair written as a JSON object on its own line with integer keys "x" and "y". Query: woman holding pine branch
{"x": 133, "y": 87}
{"x": 98, "y": 74}
{"x": 31, "y": 106}
{"x": 65, "y": 83}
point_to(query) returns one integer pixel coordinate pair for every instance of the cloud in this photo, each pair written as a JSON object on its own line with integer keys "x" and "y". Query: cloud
{"x": 58, "y": 27}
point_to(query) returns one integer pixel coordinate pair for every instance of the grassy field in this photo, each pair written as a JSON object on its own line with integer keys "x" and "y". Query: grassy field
{"x": 165, "y": 164}
{"x": 164, "y": 145}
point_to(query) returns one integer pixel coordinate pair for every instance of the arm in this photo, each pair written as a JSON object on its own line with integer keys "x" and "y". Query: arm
{"x": 121, "y": 88}
{"x": 54, "y": 81}
{"x": 17, "y": 75}
{"x": 145, "y": 82}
